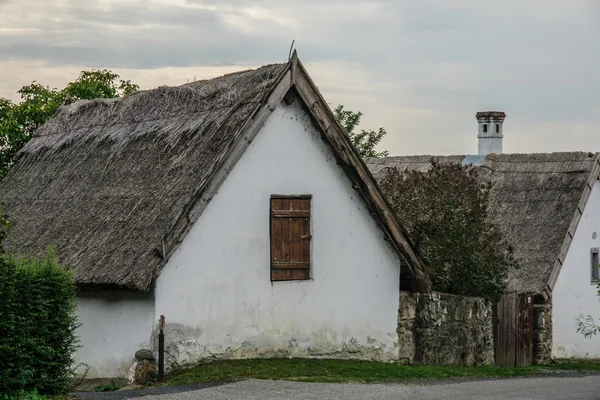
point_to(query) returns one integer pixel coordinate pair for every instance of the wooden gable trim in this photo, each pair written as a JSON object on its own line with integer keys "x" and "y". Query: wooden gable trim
{"x": 566, "y": 245}
{"x": 363, "y": 182}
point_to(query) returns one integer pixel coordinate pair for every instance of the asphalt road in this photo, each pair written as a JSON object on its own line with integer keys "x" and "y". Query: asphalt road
{"x": 552, "y": 388}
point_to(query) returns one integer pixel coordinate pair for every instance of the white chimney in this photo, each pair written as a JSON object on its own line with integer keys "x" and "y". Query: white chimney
{"x": 490, "y": 132}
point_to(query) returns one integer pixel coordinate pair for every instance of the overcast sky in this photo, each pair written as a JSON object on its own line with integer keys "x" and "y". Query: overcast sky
{"x": 421, "y": 68}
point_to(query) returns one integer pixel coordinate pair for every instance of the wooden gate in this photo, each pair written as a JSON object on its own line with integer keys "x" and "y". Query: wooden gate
{"x": 513, "y": 330}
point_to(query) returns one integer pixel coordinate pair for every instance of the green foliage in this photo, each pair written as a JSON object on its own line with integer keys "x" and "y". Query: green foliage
{"x": 364, "y": 141}
{"x": 12, "y": 136}
{"x": 445, "y": 213}
{"x": 18, "y": 122}
{"x": 37, "y": 325}
{"x": 22, "y": 395}
{"x": 98, "y": 84}
{"x": 586, "y": 324}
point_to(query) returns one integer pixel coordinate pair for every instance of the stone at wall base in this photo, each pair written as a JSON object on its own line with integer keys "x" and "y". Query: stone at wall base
{"x": 145, "y": 372}
{"x": 144, "y": 354}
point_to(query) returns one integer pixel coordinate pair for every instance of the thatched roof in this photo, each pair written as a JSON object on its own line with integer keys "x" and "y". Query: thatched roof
{"x": 114, "y": 185}
{"x": 536, "y": 200}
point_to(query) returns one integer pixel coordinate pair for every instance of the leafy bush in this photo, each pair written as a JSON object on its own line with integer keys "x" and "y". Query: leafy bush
{"x": 22, "y": 395}
{"x": 37, "y": 325}
{"x": 445, "y": 212}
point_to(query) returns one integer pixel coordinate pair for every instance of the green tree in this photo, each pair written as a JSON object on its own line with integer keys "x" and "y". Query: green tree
{"x": 445, "y": 213}
{"x": 18, "y": 122}
{"x": 364, "y": 141}
{"x": 95, "y": 84}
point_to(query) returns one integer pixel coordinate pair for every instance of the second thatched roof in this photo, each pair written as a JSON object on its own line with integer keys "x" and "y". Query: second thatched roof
{"x": 536, "y": 200}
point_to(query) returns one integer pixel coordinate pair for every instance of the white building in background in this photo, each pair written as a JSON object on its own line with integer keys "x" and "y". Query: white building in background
{"x": 548, "y": 208}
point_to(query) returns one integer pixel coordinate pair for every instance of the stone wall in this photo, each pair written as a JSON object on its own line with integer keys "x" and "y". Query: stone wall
{"x": 542, "y": 333}
{"x": 443, "y": 329}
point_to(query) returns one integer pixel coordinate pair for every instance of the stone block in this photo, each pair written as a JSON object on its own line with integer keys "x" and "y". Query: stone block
{"x": 145, "y": 372}
{"x": 407, "y": 306}
{"x": 144, "y": 354}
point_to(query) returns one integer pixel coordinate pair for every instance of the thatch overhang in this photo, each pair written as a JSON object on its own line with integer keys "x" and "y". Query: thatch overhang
{"x": 536, "y": 200}
{"x": 115, "y": 185}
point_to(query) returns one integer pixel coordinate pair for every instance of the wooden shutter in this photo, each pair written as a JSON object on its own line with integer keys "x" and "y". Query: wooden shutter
{"x": 290, "y": 237}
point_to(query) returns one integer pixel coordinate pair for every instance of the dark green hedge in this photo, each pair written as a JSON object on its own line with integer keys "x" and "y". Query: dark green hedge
{"x": 37, "y": 325}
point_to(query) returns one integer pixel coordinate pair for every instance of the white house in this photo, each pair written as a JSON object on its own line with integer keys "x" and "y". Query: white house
{"x": 236, "y": 207}
{"x": 548, "y": 208}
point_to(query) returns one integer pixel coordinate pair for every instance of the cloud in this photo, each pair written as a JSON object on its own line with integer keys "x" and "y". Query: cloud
{"x": 131, "y": 35}
{"x": 420, "y": 68}
{"x": 17, "y": 74}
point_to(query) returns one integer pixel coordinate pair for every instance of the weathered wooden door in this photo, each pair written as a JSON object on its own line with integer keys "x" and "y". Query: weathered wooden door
{"x": 513, "y": 330}
{"x": 524, "y": 355}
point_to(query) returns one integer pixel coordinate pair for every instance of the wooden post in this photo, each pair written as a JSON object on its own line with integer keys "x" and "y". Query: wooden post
{"x": 161, "y": 349}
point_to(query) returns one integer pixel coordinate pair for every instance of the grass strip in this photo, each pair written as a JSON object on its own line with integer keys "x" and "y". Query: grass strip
{"x": 326, "y": 370}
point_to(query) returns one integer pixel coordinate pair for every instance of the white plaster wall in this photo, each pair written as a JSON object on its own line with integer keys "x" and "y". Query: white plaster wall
{"x": 573, "y": 293}
{"x": 216, "y": 293}
{"x": 114, "y": 325}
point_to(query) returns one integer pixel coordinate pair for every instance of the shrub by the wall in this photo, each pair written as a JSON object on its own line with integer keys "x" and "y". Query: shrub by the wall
{"x": 37, "y": 325}
{"x": 445, "y": 211}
